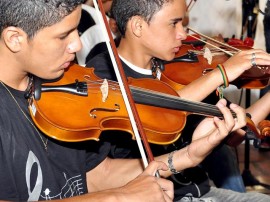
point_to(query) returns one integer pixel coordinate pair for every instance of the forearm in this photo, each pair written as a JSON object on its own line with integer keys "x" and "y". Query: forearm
{"x": 184, "y": 158}
{"x": 112, "y": 195}
{"x": 190, "y": 155}
{"x": 202, "y": 87}
{"x": 260, "y": 109}
{"x": 208, "y": 134}
{"x": 124, "y": 170}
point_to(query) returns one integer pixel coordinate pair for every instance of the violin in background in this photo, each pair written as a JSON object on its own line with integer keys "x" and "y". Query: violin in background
{"x": 186, "y": 71}
{"x": 264, "y": 127}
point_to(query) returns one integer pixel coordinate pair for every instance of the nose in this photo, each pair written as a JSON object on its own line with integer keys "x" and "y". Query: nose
{"x": 75, "y": 43}
{"x": 181, "y": 33}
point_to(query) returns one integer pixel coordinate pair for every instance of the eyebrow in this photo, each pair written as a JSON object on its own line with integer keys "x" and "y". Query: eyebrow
{"x": 68, "y": 31}
{"x": 176, "y": 19}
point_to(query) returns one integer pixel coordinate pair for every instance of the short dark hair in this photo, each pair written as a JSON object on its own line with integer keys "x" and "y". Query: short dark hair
{"x": 123, "y": 10}
{"x": 34, "y": 15}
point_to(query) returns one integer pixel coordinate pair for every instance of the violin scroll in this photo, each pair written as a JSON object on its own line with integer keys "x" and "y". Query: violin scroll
{"x": 264, "y": 127}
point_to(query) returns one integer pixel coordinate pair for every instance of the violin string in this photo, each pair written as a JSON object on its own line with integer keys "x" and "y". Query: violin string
{"x": 211, "y": 39}
{"x": 114, "y": 86}
{"x": 212, "y": 109}
{"x": 196, "y": 107}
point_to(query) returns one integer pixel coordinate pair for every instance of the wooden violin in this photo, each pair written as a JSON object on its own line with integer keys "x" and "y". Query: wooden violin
{"x": 76, "y": 109}
{"x": 264, "y": 127}
{"x": 79, "y": 106}
{"x": 184, "y": 72}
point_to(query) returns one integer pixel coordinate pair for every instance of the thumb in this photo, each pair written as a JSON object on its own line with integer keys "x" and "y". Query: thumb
{"x": 154, "y": 166}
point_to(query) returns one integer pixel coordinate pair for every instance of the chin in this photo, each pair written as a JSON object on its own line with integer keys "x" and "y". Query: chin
{"x": 55, "y": 76}
{"x": 60, "y": 73}
{"x": 169, "y": 58}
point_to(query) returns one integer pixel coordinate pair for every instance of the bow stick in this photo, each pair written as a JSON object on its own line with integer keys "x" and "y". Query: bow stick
{"x": 190, "y": 5}
{"x": 216, "y": 41}
{"x": 126, "y": 93}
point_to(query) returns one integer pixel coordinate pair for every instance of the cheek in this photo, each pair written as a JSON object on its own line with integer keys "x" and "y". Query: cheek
{"x": 165, "y": 41}
{"x": 46, "y": 59}
{"x": 51, "y": 52}
{"x": 160, "y": 43}
{"x": 166, "y": 37}
{"x": 157, "y": 39}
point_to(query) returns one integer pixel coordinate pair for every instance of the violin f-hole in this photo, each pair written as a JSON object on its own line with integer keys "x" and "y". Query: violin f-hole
{"x": 116, "y": 109}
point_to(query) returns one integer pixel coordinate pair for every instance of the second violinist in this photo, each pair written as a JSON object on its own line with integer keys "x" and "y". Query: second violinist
{"x": 158, "y": 32}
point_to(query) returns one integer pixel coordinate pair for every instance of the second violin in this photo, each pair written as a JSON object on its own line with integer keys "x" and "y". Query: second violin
{"x": 203, "y": 60}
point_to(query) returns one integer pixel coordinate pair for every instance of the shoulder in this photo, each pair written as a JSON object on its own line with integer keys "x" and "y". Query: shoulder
{"x": 102, "y": 58}
{"x": 102, "y": 65}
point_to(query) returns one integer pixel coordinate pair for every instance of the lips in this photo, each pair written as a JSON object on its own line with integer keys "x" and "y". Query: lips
{"x": 66, "y": 64}
{"x": 176, "y": 49}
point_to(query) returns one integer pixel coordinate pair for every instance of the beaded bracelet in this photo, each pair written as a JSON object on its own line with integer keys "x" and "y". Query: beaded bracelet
{"x": 170, "y": 163}
{"x": 225, "y": 80}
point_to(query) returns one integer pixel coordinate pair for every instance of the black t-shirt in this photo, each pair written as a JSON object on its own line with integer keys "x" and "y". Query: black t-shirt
{"x": 192, "y": 181}
{"x": 27, "y": 170}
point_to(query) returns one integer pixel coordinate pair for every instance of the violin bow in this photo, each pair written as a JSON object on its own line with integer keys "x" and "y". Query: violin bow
{"x": 124, "y": 87}
{"x": 190, "y": 5}
{"x": 216, "y": 41}
{"x": 220, "y": 43}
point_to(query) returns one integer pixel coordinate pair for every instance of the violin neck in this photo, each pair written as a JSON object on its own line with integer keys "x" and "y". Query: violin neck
{"x": 163, "y": 100}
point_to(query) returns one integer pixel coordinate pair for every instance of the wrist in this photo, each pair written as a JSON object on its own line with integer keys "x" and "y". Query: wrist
{"x": 225, "y": 79}
{"x": 171, "y": 164}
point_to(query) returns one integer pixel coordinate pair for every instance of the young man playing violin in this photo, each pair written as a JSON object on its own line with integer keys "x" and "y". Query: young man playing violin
{"x": 41, "y": 40}
{"x": 157, "y": 32}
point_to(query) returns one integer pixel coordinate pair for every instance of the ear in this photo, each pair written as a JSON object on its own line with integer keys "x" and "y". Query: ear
{"x": 136, "y": 25}
{"x": 13, "y": 37}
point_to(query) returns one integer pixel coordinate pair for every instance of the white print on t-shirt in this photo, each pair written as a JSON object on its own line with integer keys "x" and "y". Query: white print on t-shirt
{"x": 72, "y": 187}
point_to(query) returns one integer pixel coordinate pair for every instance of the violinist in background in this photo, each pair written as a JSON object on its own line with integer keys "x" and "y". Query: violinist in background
{"x": 222, "y": 164}
{"x": 41, "y": 40}
{"x": 158, "y": 33}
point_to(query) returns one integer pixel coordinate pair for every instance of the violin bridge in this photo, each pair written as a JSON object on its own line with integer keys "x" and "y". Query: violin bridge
{"x": 104, "y": 88}
{"x": 208, "y": 55}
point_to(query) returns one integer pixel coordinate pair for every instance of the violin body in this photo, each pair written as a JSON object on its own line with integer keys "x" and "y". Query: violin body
{"x": 75, "y": 118}
{"x": 186, "y": 72}
{"x": 73, "y": 113}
